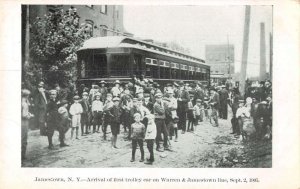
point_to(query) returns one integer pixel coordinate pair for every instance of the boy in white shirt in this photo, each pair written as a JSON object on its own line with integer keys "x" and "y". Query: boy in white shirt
{"x": 75, "y": 111}
{"x": 97, "y": 109}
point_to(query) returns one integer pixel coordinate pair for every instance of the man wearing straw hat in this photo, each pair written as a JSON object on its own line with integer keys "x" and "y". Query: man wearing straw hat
{"x": 115, "y": 90}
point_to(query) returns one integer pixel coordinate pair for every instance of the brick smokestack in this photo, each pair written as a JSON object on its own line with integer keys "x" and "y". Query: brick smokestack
{"x": 262, "y": 70}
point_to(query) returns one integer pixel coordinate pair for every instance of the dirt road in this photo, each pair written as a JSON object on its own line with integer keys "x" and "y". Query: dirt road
{"x": 206, "y": 147}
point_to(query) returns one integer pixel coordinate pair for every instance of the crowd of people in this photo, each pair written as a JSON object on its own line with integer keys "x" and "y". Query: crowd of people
{"x": 146, "y": 111}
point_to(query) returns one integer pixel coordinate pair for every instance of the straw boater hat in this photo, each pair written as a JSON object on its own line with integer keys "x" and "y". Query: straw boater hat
{"x": 76, "y": 97}
{"x": 198, "y": 100}
{"x": 25, "y": 92}
{"x": 146, "y": 95}
{"x": 117, "y": 82}
{"x": 137, "y": 115}
{"x": 97, "y": 94}
{"x": 170, "y": 91}
{"x": 85, "y": 94}
{"x": 241, "y": 100}
{"x": 176, "y": 85}
{"x": 158, "y": 95}
{"x": 41, "y": 84}
{"x": 116, "y": 99}
{"x": 206, "y": 99}
{"x": 52, "y": 92}
{"x": 102, "y": 82}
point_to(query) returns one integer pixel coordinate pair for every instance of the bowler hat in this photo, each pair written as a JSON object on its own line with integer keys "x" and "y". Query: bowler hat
{"x": 63, "y": 102}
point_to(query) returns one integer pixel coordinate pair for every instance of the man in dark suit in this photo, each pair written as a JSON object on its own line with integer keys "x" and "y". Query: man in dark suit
{"x": 234, "y": 106}
{"x": 182, "y": 99}
{"x": 40, "y": 104}
{"x": 223, "y": 102}
{"x": 147, "y": 103}
{"x": 86, "y": 114}
{"x": 199, "y": 93}
{"x": 52, "y": 117}
{"x": 215, "y": 105}
{"x": 103, "y": 90}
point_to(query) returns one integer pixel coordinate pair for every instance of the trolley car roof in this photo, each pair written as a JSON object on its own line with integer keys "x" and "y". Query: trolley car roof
{"x": 128, "y": 42}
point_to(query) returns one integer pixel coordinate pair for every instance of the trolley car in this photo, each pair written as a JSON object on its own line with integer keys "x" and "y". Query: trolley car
{"x": 115, "y": 57}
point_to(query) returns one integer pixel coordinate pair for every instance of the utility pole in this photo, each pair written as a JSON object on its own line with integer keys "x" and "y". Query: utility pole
{"x": 271, "y": 57}
{"x": 243, "y": 73}
{"x": 262, "y": 70}
{"x": 27, "y": 37}
{"x": 228, "y": 59}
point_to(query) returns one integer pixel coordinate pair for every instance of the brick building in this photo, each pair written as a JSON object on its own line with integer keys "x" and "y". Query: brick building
{"x": 221, "y": 60}
{"x": 104, "y": 20}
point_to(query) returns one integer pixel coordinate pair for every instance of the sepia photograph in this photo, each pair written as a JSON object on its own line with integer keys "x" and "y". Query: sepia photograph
{"x": 140, "y": 86}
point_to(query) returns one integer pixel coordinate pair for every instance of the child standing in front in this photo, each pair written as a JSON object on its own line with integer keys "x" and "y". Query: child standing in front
{"x": 198, "y": 111}
{"x": 115, "y": 121}
{"x": 150, "y": 137}
{"x": 137, "y": 136}
{"x": 97, "y": 109}
{"x": 76, "y": 111}
{"x": 190, "y": 114}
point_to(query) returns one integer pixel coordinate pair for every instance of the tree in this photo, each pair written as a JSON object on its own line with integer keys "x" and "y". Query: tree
{"x": 54, "y": 41}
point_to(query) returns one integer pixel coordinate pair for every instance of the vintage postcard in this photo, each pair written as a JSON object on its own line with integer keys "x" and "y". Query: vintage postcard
{"x": 150, "y": 94}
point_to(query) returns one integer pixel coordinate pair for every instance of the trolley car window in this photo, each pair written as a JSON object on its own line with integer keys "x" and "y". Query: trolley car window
{"x": 99, "y": 66}
{"x": 119, "y": 65}
{"x": 82, "y": 73}
{"x": 148, "y": 61}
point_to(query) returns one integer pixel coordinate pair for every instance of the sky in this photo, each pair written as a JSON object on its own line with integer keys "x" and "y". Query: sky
{"x": 194, "y": 27}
